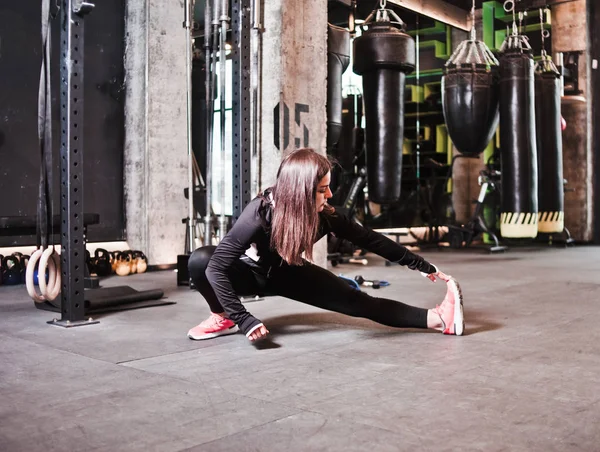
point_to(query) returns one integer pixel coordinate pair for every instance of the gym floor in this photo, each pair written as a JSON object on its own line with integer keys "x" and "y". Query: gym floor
{"x": 523, "y": 378}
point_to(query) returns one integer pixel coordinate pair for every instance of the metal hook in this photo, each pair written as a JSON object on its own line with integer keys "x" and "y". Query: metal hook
{"x": 83, "y": 8}
{"x": 544, "y": 33}
{"x": 397, "y": 20}
{"x": 384, "y": 15}
{"x": 54, "y": 14}
{"x": 509, "y": 7}
{"x": 545, "y": 16}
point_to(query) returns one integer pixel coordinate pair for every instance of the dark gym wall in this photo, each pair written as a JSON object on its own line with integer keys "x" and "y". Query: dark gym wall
{"x": 20, "y": 59}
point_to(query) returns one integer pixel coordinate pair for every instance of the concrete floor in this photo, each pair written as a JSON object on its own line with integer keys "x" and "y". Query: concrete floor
{"x": 524, "y": 378}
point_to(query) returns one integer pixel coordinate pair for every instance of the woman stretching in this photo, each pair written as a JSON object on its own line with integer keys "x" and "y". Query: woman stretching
{"x": 262, "y": 253}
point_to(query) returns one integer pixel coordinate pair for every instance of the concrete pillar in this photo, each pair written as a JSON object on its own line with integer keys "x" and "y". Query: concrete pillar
{"x": 293, "y": 85}
{"x": 568, "y": 34}
{"x": 155, "y": 129}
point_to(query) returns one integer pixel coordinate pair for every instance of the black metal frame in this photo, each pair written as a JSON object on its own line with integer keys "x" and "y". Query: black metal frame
{"x": 71, "y": 162}
{"x": 241, "y": 25}
{"x": 73, "y": 266}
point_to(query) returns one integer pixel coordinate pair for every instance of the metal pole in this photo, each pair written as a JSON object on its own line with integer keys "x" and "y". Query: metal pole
{"x": 241, "y": 143}
{"x": 254, "y": 98}
{"x": 209, "y": 118}
{"x": 213, "y": 65}
{"x": 418, "y": 122}
{"x": 71, "y": 163}
{"x": 222, "y": 64}
{"x": 187, "y": 24}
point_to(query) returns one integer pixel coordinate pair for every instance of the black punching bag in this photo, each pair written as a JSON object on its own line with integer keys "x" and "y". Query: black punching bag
{"x": 549, "y": 146}
{"x": 338, "y": 58}
{"x": 383, "y": 55}
{"x": 470, "y": 96}
{"x": 519, "y": 210}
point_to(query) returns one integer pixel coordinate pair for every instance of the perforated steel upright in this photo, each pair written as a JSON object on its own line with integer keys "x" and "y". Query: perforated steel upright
{"x": 241, "y": 24}
{"x": 71, "y": 161}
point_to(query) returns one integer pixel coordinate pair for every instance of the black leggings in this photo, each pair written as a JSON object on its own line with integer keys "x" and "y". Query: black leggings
{"x": 308, "y": 284}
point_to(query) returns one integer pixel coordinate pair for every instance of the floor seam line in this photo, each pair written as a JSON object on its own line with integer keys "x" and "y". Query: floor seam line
{"x": 240, "y": 431}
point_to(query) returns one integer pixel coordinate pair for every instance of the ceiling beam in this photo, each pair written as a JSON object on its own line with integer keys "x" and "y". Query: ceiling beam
{"x": 526, "y": 5}
{"x": 438, "y": 10}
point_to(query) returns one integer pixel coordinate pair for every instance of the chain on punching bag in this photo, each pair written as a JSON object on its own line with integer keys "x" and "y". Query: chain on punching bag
{"x": 519, "y": 211}
{"x": 383, "y": 55}
{"x": 470, "y": 95}
{"x": 549, "y": 144}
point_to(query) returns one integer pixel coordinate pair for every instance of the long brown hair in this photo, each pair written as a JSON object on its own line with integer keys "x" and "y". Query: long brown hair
{"x": 295, "y": 221}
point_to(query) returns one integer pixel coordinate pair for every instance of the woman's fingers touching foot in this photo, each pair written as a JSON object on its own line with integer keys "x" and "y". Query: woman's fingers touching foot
{"x": 259, "y": 333}
{"x": 443, "y": 276}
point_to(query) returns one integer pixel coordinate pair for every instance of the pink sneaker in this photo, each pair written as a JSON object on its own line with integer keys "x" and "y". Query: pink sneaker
{"x": 214, "y": 326}
{"x": 451, "y": 310}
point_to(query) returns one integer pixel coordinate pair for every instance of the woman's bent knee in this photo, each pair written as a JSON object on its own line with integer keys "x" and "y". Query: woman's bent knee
{"x": 199, "y": 260}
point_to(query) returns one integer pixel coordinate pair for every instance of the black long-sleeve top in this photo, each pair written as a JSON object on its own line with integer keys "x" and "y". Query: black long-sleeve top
{"x": 253, "y": 231}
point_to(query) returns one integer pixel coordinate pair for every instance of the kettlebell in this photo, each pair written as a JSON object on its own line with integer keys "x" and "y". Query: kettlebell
{"x": 18, "y": 256}
{"x": 24, "y": 261}
{"x": 11, "y": 271}
{"x": 123, "y": 266}
{"x": 114, "y": 258}
{"x": 102, "y": 262}
{"x": 132, "y": 262}
{"x": 142, "y": 261}
{"x": 22, "y": 265}
{"x": 90, "y": 263}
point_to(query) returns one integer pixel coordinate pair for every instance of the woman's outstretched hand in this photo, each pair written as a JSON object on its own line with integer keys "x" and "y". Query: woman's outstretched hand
{"x": 259, "y": 333}
{"x": 440, "y": 275}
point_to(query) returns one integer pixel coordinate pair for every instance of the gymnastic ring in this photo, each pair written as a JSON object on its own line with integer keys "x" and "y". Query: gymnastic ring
{"x": 57, "y": 280}
{"x": 509, "y": 9}
{"x": 49, "y": 259}
{"x": 38, "y": 298}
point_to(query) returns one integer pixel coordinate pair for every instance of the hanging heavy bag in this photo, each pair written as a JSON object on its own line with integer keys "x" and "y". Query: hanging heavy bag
{"x": 383, "y": 55}
{"x": 519, "y": 211}
{"x": 338, "y": 58}
{"x": 470, "y": 96}
{"x": 549, "y": 146}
